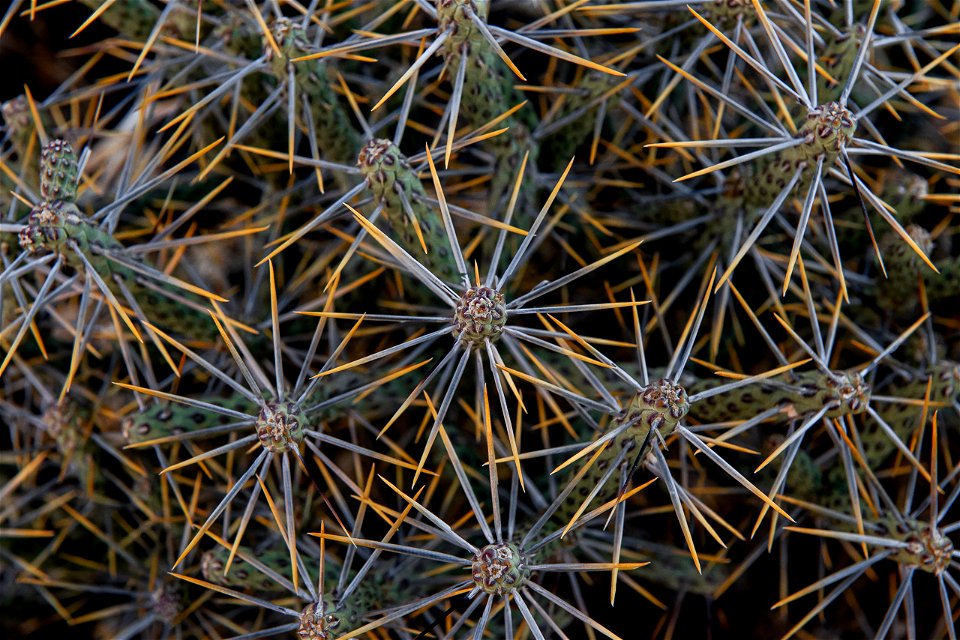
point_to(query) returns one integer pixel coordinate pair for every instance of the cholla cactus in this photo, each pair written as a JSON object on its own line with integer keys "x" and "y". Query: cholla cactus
{"x": 471, "y": 319}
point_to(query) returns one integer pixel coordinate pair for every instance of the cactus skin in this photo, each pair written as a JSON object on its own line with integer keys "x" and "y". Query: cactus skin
{"x": 393, "y": 181}
{"x": 59, "y": 227}
{"x": 837, "y": 58}
{"x": 824, "y": 133}
{"x": 58, "y": 171}
{"x": 900, "y": 293}
{"x": 169, "y": 419}
{"x": 134, "y": 19}
{"x": 162, "y": 420}
{"x": 243, "y": 575}
{"x": 324, "y": 619}
{"x": 24, "y": 139}
{"x": 799, "y": 393}
{"x": 487, "y": 93}
{"x": 653, "y": 413}
{"x": 559, "y": 146}
{"x": 336, "y": 136}
{"x": 944, "y": 380}
{"x": 829, "y": 488}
